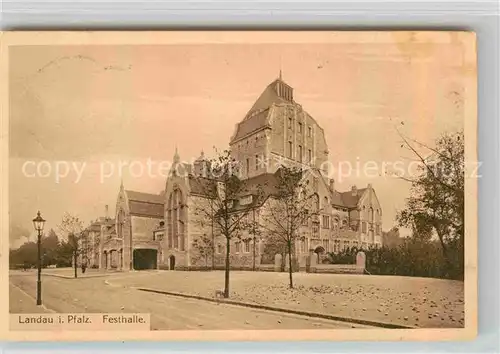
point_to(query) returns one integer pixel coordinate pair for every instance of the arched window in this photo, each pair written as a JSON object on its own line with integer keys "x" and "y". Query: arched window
{"x": 316, "y": 202}
{"x": 335, "y": 223}
{"x": 120, "y": 222}
{"x": 170, "y": 229}
{"x": 303, "y": 195}
{"x": 176, "y": 220}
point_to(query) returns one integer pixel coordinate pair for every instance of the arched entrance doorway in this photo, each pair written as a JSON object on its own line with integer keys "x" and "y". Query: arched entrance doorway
{"x": 319, "y": 251}
{"x": 145, "y": 259}
{"x": 105, "y": 258}
{"x": 171, "y": 262}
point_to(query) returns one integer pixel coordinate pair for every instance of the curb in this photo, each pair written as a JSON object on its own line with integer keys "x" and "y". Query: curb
{"x": 79, "y": 277}
{"x": 280, "y": 309}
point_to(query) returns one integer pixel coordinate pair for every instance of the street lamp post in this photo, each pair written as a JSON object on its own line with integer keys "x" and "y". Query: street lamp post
{"x": 38, "y": 224}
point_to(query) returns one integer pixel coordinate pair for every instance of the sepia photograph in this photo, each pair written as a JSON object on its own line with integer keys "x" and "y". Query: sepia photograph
{"x": 260, "y": 182}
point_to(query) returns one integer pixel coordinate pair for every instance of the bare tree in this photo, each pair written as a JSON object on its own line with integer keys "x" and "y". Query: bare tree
{"x": 221, "y": 189}
{"x": 288, "y": 209}
{"x": 204, "y": 247}
{"x": 72, "y": 227}
{"x": 253, "y": 230}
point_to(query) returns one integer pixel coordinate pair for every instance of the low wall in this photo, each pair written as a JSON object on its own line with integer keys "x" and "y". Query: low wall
{"x": 337, "y": 269}
{"x": 307, "y": 264}
{"x": 266, "y": 268}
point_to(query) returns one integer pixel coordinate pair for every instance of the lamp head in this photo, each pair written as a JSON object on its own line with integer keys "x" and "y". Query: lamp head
{"x": 38, "y": 222}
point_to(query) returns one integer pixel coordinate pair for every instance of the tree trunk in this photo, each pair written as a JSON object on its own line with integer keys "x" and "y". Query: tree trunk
{"x": 75, "y": 261}
{"x": 254, "y": 238}
{"x": 253, "y": 266}
{"x": 213, "y": 246}
{"x": 226, "y": 275}
{"x": 444, "y": 249}
{"x": 290, "y": 263}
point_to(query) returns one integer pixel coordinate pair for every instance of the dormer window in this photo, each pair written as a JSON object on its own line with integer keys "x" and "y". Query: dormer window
{"x": 246, "y": 200}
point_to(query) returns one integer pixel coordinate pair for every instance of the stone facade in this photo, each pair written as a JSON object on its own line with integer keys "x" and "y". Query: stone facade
{"x": 126, "y": 242}
{"x": 276, "y": 131}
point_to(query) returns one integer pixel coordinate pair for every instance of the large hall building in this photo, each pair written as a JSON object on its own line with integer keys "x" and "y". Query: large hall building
{"x": 163, "y": 231}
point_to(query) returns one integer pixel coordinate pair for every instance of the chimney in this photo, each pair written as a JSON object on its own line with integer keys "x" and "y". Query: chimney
{"x": 332, "y": 185}
{"x": 354, "y": 190}
{"x": 370, "y": 186}
{"x": 106, "y": 212}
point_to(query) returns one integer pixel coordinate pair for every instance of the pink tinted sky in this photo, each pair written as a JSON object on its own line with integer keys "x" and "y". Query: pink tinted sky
{"x": 90, "y": 104}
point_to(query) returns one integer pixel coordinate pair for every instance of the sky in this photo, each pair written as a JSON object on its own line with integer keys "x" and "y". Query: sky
{"x": 90, "y": 108}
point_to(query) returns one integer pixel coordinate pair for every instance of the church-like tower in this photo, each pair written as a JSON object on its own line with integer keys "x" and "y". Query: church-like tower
{"x": 276, "y": 130}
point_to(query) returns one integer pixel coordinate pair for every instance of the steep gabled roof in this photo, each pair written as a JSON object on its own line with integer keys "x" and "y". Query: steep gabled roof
{"x": 269, "y": 97}
{"x": 199, "y": 185}
{"x": 277, "y": 92}
{"x": 96, "y": 225}
{"x": 145, "y": 204}
{"x": 144, "y": 197}
{"x": 350, "y": 200}
{"x": 337, "y": 199}
{"x": 252, "y": 124}
{"x": 265, "y": 183}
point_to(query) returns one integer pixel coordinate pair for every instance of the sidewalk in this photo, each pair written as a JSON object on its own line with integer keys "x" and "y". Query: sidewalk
{"x": 22, "y": 302}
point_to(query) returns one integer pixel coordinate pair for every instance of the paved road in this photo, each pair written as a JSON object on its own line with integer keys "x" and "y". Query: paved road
{"x": 93, "y": 295}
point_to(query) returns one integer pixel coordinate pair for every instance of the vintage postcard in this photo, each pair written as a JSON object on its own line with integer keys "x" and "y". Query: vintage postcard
{"x": 239, "y": 186}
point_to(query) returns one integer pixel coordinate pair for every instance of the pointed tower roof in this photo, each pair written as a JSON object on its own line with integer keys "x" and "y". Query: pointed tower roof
{"x": 276, "y": 92}
{"x": 201, "y": 157}
{"x": 176, "y": 156}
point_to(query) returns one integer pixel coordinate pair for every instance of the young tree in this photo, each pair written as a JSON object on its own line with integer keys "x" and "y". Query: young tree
{"x": 221, "y": 188}
{"x": 72, "y": 227}
{"x": 255, "y": 234}
{"x": 287, "y": 210}
{"x": 273, "y": 245}
{"x": 436, "y": 204}
{"x": 204, "y": 247}
{"x": 205, "y": 221}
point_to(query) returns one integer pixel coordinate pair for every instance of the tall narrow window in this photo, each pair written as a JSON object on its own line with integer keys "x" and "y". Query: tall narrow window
{"x": 309, "y": 132}
{"x": 300, "y": 153}
{"x": 326, "y": 245}
{"x": 256, "y": 162}
{"x": 326, "y": 221}
{"x": 290, "y": 149}
{"x": 290, "y": 122}
{"x": 248, "y": 167}
{"x": 300, "y": 127}
{"x": 309, "y": 156}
